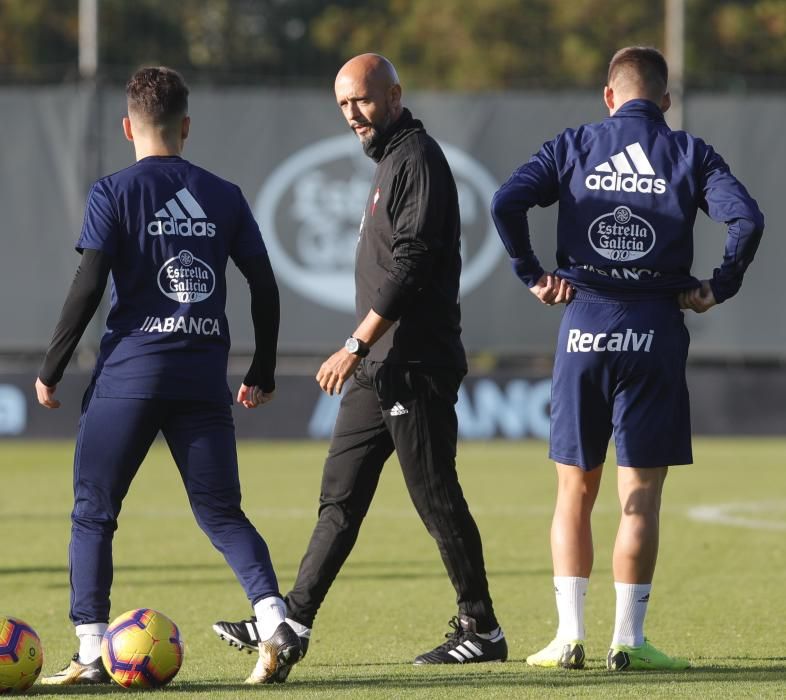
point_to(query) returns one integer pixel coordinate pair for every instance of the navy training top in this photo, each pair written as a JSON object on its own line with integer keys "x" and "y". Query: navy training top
{"x": 169, "y": 228}
{"x": 629, "y": 189}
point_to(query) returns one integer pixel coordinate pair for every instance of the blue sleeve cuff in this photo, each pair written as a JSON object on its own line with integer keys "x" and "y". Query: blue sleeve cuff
{"x": 528, "y": 270}
{"x": 723, "y": 289}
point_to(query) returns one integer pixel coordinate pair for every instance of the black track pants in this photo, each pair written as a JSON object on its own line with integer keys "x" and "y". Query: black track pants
{"x": 411, "y": 411}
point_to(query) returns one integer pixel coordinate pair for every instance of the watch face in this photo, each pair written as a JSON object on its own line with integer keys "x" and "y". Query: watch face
{"x": 352, "y": 345}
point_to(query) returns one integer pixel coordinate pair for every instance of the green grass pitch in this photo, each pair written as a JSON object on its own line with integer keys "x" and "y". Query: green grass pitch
{"x": 718, "y": 595}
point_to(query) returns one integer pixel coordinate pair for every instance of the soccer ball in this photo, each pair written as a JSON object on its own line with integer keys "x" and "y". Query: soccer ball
{"x": 21, "y": 656}
{"x": 142, "y": 648}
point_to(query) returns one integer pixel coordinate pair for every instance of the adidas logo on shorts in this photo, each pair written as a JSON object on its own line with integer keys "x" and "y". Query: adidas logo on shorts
{"x": 627, "y": 171}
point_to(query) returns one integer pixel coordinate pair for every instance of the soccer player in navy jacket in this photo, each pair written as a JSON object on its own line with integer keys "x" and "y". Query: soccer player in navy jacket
{"x": 628, "y": 189}
{"x": 164, "y": 229}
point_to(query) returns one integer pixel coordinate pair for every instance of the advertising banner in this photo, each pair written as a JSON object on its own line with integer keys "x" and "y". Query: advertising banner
{"x": 724, "y": 401}
{"x": 306, "y": 179}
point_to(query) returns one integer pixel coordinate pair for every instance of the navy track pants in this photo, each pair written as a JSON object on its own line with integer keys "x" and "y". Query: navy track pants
{"x": 115, "y": 434}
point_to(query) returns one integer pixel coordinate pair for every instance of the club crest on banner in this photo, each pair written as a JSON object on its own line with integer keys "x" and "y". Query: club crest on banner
{"x": 310, "y": 206}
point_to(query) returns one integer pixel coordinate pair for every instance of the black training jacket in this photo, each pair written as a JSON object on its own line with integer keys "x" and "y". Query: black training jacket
{"x": 408, "y": 258}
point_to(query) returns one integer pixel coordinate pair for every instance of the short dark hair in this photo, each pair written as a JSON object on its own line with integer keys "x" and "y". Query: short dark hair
{"x": 642, "y": 65}
{"x": 158, "y": 95}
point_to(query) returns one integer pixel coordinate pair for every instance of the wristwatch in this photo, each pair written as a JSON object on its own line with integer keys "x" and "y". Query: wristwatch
{"x": 355, "y": 346}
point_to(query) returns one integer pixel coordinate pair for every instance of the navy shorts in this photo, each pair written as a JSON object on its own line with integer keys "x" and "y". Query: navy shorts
{"x": 620, "y": 368}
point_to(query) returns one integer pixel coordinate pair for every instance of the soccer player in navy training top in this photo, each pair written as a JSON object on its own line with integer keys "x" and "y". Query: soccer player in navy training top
{"x": 628, "y": 190}
{"x": 164, "y": 229}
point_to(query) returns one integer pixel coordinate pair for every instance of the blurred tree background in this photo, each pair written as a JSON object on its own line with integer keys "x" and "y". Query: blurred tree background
{"x": 464, "y": 45}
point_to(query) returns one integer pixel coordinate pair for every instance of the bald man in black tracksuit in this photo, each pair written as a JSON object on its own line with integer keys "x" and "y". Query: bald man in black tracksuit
{"x": 407, "y": 362}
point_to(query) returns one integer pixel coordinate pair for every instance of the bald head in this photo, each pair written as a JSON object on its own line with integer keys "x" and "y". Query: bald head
{"x": 369, "y": 96}
{"x": 370, "y": 68}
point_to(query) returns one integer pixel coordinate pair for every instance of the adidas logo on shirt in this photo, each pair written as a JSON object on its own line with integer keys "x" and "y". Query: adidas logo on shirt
{"x": 627, "y": 171}
{"x": 398, "y": 410}
{"x": 175, "y": 218}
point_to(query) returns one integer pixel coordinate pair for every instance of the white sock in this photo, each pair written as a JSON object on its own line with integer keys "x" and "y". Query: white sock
{"x": 90, "y": 637}
{"x": 300, "y": 630}
{"x": 632, "y": 599}
{"x": 570, "y": 592}
{"x": 270, "y": 613}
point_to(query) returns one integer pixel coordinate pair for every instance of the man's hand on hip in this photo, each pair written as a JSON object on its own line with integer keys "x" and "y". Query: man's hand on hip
{"x": 336, "y": 370}
{"x": 552, "y": 290}
{"x": 699, "y": 300}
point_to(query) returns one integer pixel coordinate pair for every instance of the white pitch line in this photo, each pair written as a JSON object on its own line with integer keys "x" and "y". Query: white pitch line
{"x": 736, "y": 514}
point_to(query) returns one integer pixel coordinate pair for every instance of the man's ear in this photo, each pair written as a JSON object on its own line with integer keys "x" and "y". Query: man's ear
{"x": 184, "y": 128}
{"x": 665, "y": 103}
{"x": 608, "y": 98}
{"x": 395, "y": 95}
{"x": 127, "y": 131}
